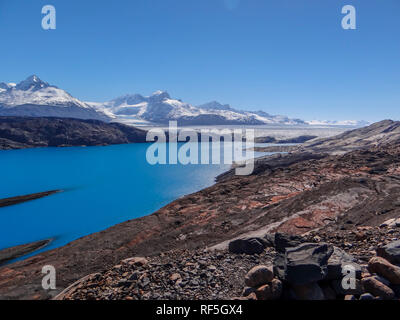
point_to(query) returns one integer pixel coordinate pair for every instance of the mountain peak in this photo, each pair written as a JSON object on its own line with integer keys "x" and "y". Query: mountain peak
{"x": 33, "y": 78}
{"x": 32, "y": 82}
{"x": 159, "y": 96}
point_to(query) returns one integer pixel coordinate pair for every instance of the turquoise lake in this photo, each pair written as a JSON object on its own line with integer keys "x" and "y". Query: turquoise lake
{"x": 102, "y": 186}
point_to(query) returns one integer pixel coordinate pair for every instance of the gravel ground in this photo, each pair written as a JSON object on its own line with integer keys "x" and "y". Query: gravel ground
{"x": 176, "y": 275}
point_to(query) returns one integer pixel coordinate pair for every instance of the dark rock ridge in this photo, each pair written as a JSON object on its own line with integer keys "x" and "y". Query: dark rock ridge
{"x": 20, "y": 199}
{"x": 27, "y": 132}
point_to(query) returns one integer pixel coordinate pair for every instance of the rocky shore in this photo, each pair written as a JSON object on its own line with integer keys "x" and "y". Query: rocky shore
{"x": 338, "y": 192}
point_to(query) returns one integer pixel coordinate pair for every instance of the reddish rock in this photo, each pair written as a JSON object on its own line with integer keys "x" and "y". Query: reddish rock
{"x": 258, "y": 276}
{"x": 377, "y": 288}
{"x": 385, "y": 269}
{"x": 272, "y": 291}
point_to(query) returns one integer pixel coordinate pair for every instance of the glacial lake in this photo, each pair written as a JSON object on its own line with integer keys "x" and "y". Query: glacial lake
{"x": 103, "y": 186}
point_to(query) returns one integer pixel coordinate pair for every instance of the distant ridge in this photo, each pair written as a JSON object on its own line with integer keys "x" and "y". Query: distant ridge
{"x": 30, "y": 132}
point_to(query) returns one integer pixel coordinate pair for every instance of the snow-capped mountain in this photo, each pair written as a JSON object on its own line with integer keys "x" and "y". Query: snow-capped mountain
{"x": 37, "y": 98}
{"x": 351, "y": 123}
{"x": 161, "y": 108}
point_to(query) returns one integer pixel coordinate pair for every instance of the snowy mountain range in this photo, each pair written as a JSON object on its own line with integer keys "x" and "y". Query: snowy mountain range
{"x": 34, "y": 97}
{"x": 161, "y": 108}
{"x": 352, "y": 123}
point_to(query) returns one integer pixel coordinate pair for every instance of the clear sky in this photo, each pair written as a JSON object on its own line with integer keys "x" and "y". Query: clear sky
{"x": 287, "y": 57}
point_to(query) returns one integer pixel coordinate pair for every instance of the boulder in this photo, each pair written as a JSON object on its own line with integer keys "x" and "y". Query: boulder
{"x": 283, "y": 241}
{"x": 382, "y": 279}
{"x": 259, "y": 275}
{"x": 304, "y": 264}
{"x": 247, "y": 246}
{"x": 337, "y": 261}
{"x": 385, "y": 269}
{"x": 377, "y": 288}
{"x": 390, "y": 252}
{"x": 271, "y": 291}
{"x": 310, "y": 291}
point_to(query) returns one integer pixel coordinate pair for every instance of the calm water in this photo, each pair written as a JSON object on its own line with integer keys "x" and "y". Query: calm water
{"x": 103, "y": 186}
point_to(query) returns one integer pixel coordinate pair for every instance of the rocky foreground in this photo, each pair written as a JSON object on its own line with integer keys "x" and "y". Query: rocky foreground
{"x": 274, "y": 267}
{"x": 332, "y": 187}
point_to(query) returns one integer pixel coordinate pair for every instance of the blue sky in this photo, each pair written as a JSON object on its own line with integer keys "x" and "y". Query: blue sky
{"x": 285, "y": 57}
